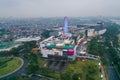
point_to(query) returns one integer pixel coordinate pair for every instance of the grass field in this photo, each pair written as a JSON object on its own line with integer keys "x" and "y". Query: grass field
{"x": 87, "y": 70}
{"x": 10, "y": 65}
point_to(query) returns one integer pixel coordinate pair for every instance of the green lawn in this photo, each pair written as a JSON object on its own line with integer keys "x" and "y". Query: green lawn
{"x": 10, "y": 66}
{"x": 87, "y": 70}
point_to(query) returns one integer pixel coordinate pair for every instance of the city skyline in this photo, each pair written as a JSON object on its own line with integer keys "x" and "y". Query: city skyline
{"x": 55, "y": 8}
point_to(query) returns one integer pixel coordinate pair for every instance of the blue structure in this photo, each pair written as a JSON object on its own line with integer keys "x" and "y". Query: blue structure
{"x": 65, "y": 28}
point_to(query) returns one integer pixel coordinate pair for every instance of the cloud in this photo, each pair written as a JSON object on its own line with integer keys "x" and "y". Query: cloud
{"x": 51, "y": 8}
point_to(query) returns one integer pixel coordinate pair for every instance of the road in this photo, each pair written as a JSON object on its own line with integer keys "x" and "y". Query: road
{"x": 112, "y": 74}
{"x": 20, "y": 71}
{"x": 103, "y": 73}
{"x": 84, "y": 54}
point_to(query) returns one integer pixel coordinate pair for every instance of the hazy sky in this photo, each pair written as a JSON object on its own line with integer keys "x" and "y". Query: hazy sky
{"x": 56, "y": 8}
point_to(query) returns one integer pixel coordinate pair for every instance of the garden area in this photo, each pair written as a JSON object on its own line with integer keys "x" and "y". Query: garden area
{"x": 82, "y": 70}
{"x": 77, "y": 70}
{"x": 8, "y": 64}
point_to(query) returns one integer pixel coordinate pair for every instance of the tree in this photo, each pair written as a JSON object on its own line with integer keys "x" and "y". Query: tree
{"x": 32, "y": 68}
{"x": 46, "y": 33}
{"x": 5, "y": 53}
{"x": 89, "y": 77}
{"x": 77, "y": 76}
{"x": 66, "y": 75}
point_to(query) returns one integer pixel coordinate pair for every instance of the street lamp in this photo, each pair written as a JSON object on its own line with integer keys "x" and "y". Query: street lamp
{"x": 99, "y": 64}
{"x": 78, "y": 78}
{"x": 101, "y": 76}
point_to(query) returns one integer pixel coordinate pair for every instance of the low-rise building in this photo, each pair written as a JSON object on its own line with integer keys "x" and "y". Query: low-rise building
{"x": 27, "y": 39}
{"x": 58, "y": 49}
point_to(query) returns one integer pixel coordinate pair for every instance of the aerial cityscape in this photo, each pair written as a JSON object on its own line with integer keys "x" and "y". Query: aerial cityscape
{"x": 62, "y": 40}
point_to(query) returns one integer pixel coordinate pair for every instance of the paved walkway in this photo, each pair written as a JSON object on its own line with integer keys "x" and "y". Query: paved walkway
{"x": 103, "y": 73}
